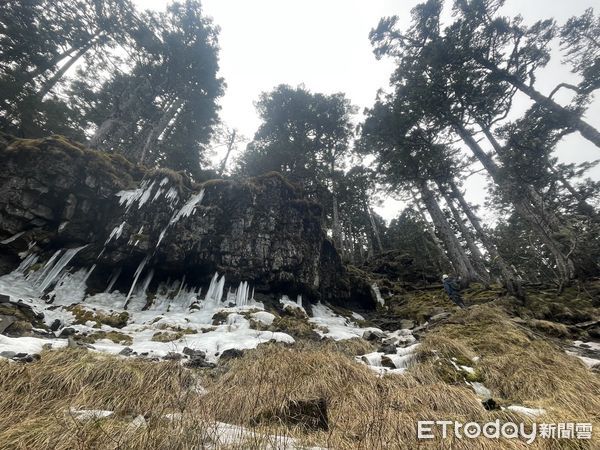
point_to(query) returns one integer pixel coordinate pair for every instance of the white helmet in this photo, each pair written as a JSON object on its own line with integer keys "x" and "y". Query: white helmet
{"x": 444, "y": 277}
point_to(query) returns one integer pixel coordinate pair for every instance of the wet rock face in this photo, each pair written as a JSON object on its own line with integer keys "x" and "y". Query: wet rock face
{"x": 56, "y": 194}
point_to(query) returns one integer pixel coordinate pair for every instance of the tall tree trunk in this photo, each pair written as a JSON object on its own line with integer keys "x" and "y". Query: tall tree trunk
{"x": 350, "y": 239}
{"x": 436, "y": 240}
{"x": 509, "y": 276}
{"x": 40, "y": 70}
{"x": 522, "y": 206}
{"x": 570, "y": 118}
{"x": 229, "y": 148}
{"x": 478, "y": 259}
{"x": 51, "y": 82}
{"x": 159, "y": 127}
{"x": 336, "y": 231}
{"x": 459, "y": 259}
{"x": 374, "y": 229}
{"x": 370, "y": 249}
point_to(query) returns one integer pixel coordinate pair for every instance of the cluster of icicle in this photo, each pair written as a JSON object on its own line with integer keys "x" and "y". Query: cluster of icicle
{"x": 55, "y": 269}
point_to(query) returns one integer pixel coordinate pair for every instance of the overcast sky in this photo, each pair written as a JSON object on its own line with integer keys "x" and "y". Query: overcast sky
{"x": 324, "y": 45}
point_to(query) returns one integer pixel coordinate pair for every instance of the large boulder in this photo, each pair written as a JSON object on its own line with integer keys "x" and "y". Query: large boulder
{"x": 54, "y": 194}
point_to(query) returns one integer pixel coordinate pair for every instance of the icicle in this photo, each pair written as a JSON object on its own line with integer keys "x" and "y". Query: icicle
{"x": 115, "y": 233}
{"x": 147, "y": 281}
{"x": 241, "y": 297}
{"x": 29, "y": 261}
{"x": 113, "y": 279}
{"x": 58, "y": 267}
{"x": 219, "y": 289}
{"x": 181, "y": 286}
{"x": 299, "y": 300}
{"x": 137, "y": 275}
{"x": 212, "y": 287}
{"x": 12, "y": 238}
{"x": 252, "y": 297}
{"x": 35, "y": 277}
{"x": 185, "y": 211}
{"x": 189, "y": 207}
{"x": 87, "y": 275}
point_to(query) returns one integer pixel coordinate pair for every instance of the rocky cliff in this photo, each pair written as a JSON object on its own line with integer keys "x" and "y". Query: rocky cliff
{"x": 126, "y": 224}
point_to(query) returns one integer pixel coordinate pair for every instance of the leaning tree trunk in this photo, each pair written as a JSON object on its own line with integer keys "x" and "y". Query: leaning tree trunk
{"x": 159, "y": 127}
{"x": 50, "y": 83}
{"x": 435, "y": 239}
{"x": 522, "y": 206}
{"x": 459, "y": 259}
{"x": 229, "y": 148}
{"x": 509, "y": 276}
{"x": 532, "y": 195}
{"x": 478, "y": 259}
{"x": 570, "y": 118}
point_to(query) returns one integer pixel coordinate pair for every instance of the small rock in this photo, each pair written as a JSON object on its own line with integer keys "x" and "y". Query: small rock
{"x": 20, "y": 355}
{"x": 27, "y": 358}
{"x": 193, "y": 353}
{"x": 127, "y": 351}
{"x": 231, "y": 353}
{"x": 55, "y": 325}
{"x": 199, "y": 363}
{"x": 387, "y": 349}
{"x": 47, "y": 346}
{"x": 66, "y": 332}
{"x": 8, "y": 354}
{"x": 490, "y": 404}
{"x": 173, "y": 356}
{"x": 6, "y": 321}
{"x": 4, "y": 298}
{"x": 373, "y": 335}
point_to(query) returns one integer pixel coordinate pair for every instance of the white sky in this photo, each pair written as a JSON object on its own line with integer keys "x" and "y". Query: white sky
{"x": 324, "y": 45}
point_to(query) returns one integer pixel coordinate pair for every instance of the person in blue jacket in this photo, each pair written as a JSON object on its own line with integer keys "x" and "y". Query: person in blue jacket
{"x": 453, "y": 290}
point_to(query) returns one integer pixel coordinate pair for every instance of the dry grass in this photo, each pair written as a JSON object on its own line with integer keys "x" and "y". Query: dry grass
{"x": 364, "y": 411}
{"x": 516, "y": 365}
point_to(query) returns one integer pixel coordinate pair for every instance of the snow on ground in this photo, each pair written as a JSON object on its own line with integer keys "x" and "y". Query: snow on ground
{"x": 390, "y": 363}
{"x": 178, "y": 316}
{"x": 338, "y": 327}
{"x": 29, "y": 345}
{"x": 587, "y": 352}
{"x": 529, "y": 412}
